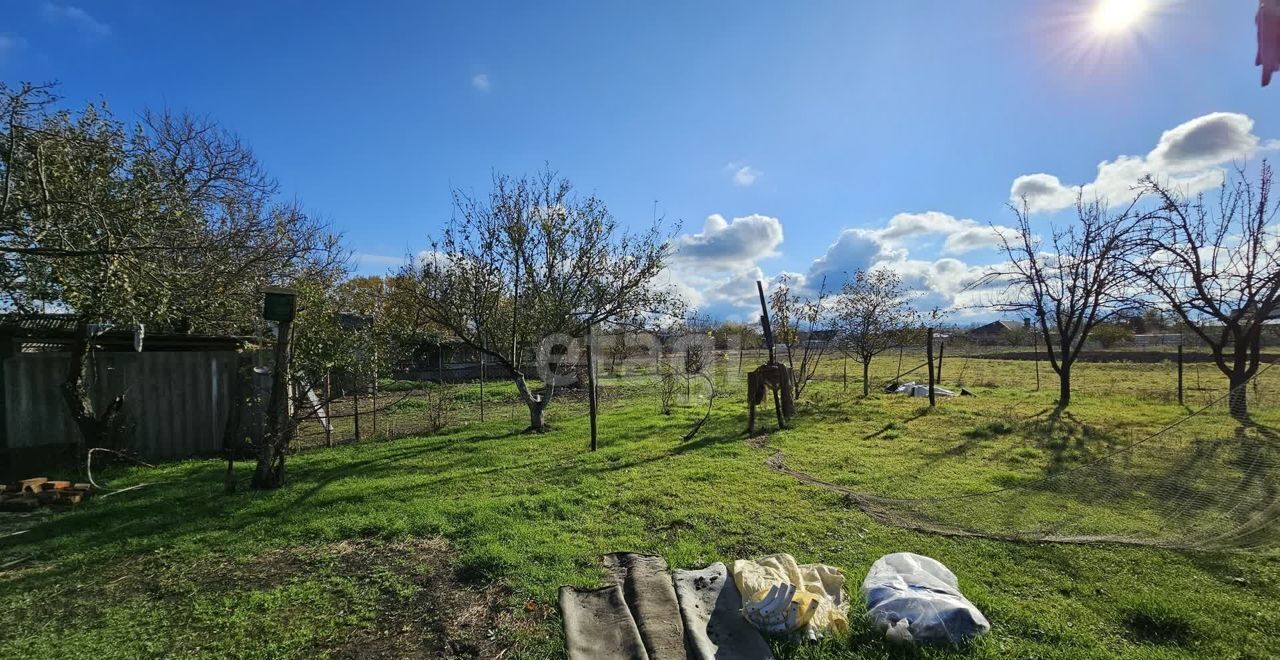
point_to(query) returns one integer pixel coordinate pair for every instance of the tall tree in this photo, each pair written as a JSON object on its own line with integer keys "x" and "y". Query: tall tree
{"x": 169, "y": 222}
{"x": 1070, "y": 284}
{"x": 532, "y": 264}
{"x": 872, "y": 314}
{"x": 1215, "y": 263}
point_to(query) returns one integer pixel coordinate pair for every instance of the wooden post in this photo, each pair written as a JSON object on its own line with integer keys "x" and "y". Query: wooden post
{"x": 741, "y": 340}
{"x": 928, "y": 353}
{"x": 482, "y": 345}
{"x": 270, "y": 474}
{"x": 764, "y": 322}
{"x": 328, "y": 417}
{"x": 1035, "y": 348}
{"x": 899, "y": 376}
{"x": 942, "y": 347}
{"x": 844, "y": 361}
{"x": 591, "y": 384}
{"x": 1180, "y": 398}
{"x": 375, "y": 394}
{"x": 356, "y": 400}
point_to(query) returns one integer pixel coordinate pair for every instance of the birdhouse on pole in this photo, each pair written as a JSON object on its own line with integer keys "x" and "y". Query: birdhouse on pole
{"x": 278, "y": 303}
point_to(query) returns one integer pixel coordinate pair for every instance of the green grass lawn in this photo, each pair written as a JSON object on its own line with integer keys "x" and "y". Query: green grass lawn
{"x": 388, "y": 547}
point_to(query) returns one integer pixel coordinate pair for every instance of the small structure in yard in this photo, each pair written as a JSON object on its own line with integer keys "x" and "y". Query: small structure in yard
{"x": 179, "y": 391}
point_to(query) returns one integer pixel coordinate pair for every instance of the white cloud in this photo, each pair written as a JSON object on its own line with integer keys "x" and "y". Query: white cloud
{"x": 743, "y": 175}
{"x": 1190, "y": 155}
{"x": 715, "y": 270}
{"x": 962, "y": 235}
{"x": 977, "y": 237}
{"x": 77, "y": 18}
{"x": 480, "y": 81}
{"x": 938, "y": 283}
{"x": 853, "y": 250}
{"x": 730, "y": 245}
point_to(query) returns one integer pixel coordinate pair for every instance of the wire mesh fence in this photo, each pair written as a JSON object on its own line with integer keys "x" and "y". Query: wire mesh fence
{"x": 1156, "y": 472}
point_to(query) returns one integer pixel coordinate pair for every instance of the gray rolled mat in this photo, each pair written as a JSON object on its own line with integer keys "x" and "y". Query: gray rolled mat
{"x": 712, "y": 610}
{"x": 646, "y": 584}
{"x": 598, "y": 625}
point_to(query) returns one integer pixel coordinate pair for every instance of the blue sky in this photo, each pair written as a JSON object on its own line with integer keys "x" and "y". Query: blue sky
{"x": 809, "y": 138}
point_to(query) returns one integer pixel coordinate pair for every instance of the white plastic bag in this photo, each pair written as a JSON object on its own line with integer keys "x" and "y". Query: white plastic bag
{"x": 913, "y": 598}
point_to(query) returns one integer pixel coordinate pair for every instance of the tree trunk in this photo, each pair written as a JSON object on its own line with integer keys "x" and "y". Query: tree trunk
{"x": 866, "y": 380}
{"x": 537, "y": 403}
{"x": 1064, "y": 386}
{"x": 95, "y": 430}
{"x": 75, "y": 391}
{"x": 1238, "y": 398}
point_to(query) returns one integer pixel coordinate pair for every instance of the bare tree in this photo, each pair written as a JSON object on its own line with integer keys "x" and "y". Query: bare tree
{"x": 1072, "y": 284}
{"x": 1216, "y": 265}
{"x": 872, "y": 313}
{"x": 532, "y": 261}
{"x": 799, "y": 319}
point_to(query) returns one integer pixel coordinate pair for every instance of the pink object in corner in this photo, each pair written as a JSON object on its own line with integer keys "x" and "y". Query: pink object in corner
{"x": 1268, "y": 21}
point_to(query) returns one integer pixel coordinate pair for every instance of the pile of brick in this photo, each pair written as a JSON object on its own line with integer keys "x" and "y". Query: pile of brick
{"x": 31, "y": 494}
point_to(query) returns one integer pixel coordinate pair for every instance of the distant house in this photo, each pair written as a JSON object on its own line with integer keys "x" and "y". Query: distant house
{"x": 994, "y": 331}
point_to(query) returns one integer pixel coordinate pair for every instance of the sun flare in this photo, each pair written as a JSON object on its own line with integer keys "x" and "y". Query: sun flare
{"x": 1118, "y": 16}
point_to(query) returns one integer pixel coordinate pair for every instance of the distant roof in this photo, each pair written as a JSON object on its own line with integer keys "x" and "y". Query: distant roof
{"x": 996, "y": 327}
{"x": 52, "y": 332}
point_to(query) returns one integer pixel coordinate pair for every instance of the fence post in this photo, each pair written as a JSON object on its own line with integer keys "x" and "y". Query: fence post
{"x": 591, "y": 383}
{"x": 1180, "y": 398}
{"x": 1035, "y": 348}
{"x": 482, "y": 346}
{"x": 844, "y": 361}
{"x": 328, "y": 418}
{"x": 928, "y": 353}
{"x": 942, "y": 346}
{"x": 357, "y": 412}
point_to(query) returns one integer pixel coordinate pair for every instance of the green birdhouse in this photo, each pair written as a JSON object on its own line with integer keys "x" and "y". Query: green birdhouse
{"x": 278, "y": 304}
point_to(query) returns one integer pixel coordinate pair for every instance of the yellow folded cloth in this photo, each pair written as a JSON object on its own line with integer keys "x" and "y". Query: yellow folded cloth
{"x": 812, "y": 581}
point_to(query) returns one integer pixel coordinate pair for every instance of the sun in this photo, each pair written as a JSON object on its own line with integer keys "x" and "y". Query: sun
{"x": 1118, "y": 16}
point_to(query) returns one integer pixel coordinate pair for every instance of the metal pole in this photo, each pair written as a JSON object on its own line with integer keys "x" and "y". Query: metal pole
{"x": 357, "y": 412}
{"x": 1180, "y": 397}
{"x": 591, "y": 384}
{"x": 942, "y": 346}
{"x": 928, "y": 352}
{"x": 328, "y": 417}
{"x": 1035, "y": 348}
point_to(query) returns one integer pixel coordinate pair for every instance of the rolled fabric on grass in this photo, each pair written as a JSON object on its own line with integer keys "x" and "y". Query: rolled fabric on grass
{"x": 646, "y": 586}
{"x": 711, "y": 608}
{"x": 598, "y": 625}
